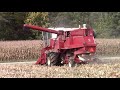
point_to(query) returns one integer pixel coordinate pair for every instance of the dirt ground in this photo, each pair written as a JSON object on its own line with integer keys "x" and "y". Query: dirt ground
{"x": 106, "y": 67}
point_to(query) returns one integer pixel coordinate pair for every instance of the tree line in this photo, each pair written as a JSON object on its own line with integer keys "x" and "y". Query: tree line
{"x": 105, "y": 24}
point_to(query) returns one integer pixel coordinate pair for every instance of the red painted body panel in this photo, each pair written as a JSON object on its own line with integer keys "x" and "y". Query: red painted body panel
{"x": 74, "y": 42}
{"x": 69, "y": 43}
{"x": 89, "y": 41}
{"x": 78, "y": 32}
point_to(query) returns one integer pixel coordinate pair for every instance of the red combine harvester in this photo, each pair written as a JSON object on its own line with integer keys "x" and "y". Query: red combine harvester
{"x": 69, "y": 47}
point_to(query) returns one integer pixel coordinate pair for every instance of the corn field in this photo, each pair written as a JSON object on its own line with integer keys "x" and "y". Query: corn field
{"x": 108, "y": 47}
{"x": 20, "y": 50}
{"x": 30, "y": 49}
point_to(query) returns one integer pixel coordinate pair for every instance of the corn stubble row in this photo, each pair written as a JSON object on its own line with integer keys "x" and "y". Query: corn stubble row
{"x": 30, "y": 49}
{"x": 83, "y": 71}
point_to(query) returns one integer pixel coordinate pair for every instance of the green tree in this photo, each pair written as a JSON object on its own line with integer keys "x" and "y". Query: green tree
{"x": 37, "y": 18}
{"x": 101, "y": 22}
{"x": 115, "y": 25}
{"x": 11, "y": 25}
{"x": 68, "y": 19}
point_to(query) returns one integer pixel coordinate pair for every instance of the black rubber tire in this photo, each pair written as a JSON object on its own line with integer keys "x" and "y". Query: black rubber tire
{"x": 51, "y": 59}
{"x": 71, "y": 62}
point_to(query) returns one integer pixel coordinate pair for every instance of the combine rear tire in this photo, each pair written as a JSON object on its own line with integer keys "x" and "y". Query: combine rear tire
{"x": 51, "y": 59}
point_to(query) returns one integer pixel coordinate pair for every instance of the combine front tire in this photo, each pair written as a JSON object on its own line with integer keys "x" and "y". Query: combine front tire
{"x": 71, "y": 62}
{"x": 51, "y": 58}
